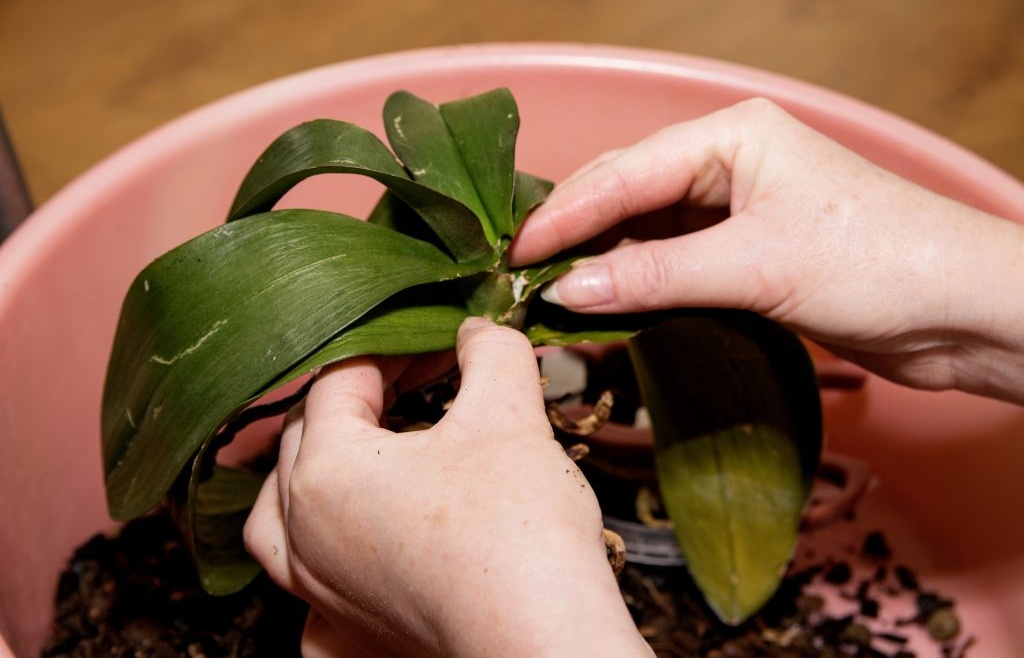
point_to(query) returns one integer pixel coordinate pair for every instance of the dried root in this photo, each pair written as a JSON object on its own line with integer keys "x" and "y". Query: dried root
{"x": 588, "y": 424}
{"x": 648, "y": 506}
{"x": 577, "y": 452}
{"x": 616, "y": 549}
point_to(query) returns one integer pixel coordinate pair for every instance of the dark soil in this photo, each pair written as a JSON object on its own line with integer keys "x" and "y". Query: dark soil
{"x": 136, "y": 595}
{"x": 795, "y": 624}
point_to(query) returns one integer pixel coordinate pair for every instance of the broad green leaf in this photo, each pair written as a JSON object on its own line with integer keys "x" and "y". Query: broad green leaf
{"x": 393, "y": 213}
{"x": 484, "y": 128}
{"x": 421, "y": 139}
{"x": 326, "y": 146}
{"x": 464, "y": 149}
{"x": 397, "y": 215}
{"x": 734, "y": 404}
{"x": 389, "y": 332}
{"x": 209, "y": 324}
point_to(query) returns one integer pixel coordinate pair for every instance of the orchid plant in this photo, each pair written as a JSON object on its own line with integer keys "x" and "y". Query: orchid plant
{"x": 217, "y": 323}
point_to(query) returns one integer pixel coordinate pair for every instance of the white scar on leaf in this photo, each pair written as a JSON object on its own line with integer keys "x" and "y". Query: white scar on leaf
{"x": 191, "y": 348}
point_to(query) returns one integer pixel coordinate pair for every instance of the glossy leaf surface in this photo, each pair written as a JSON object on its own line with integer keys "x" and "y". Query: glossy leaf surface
{"x": 735, "y": 408}
{"x": 389, "y": 332}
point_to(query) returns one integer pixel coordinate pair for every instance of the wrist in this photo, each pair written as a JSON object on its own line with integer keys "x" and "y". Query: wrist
{"x": 986, "y": 311}
{"x": 547, "y": 606}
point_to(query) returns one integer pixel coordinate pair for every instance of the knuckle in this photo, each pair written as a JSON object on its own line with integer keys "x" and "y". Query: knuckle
{"x": 760, "y": 108}
{"x": 251, "y": 534}
{"x": 621, "y": 194}
{"x": 308, "y": 483}
{"x": 649, "y": 278}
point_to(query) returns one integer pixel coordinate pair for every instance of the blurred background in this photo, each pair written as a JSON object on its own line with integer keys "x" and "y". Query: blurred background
{"x": 79, "y": 79}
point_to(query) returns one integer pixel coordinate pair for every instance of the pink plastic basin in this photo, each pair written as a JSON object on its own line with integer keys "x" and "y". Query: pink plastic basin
{"x": 948, "y": 464}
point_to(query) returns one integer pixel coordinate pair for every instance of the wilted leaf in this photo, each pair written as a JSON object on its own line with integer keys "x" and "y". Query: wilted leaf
{"x": 734, "y": 404}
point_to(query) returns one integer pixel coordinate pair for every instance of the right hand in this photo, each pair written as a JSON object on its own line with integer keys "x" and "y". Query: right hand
{"x": 911, "y": 285}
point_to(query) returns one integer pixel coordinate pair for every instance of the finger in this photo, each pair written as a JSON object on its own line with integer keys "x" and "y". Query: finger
{"x": 722, "y": 266}
{"x": 291, "y": 437}
{"x": 690, "y": 161}
{"x": 500, "y": 378}
{"x": 347, "y": 395}
{"x": 661, "y": 224}
{"x": 265, "y": 536}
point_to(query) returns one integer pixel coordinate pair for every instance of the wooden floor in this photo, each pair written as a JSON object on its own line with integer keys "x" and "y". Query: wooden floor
{"x": 80, "y": 78}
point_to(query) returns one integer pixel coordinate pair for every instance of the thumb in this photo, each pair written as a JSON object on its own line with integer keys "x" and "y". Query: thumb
{"x": 725, "y": 266}
{"x": 500, "y": 378}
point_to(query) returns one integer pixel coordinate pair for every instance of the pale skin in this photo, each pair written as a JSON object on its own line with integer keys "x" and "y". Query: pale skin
{"x": 478, "y": 536}
{"x": 909, "y": 284}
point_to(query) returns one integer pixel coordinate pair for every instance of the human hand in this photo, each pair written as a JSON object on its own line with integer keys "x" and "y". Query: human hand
{"x": 475, "y": 537}
{"x": 909, "y": 284}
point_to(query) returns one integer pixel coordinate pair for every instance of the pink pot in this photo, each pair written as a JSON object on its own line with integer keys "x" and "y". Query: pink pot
{"x": 949, "y": 463}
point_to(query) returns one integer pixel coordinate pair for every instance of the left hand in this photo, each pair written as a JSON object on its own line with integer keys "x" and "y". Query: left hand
{"x": 475, "y": 537}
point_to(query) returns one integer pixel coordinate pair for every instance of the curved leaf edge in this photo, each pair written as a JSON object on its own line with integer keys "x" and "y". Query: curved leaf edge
{"x": 327, "y": 146}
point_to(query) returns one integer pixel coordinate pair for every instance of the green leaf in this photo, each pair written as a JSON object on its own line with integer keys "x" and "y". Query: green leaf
{"x": 208, "y": 325}
{"x": 222, "y": 506}
{"x": 389, "y": 332}
{"x": 326, "y": 146}
{"x": 530, "y": 192}
{"x": 484, "y": 128}
{"x": 421, "y": 139}
{"x": 464, "y": 149}
{"x": 393, "y": 213}
{"x": 544, "y": 319}
{"x": 540, "y": 334}
{"x": 735, "y": 408}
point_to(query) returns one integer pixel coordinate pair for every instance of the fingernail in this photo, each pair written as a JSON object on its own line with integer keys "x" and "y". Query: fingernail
{"x": 588, "y": 283}
{"x": 550, "y": 294}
